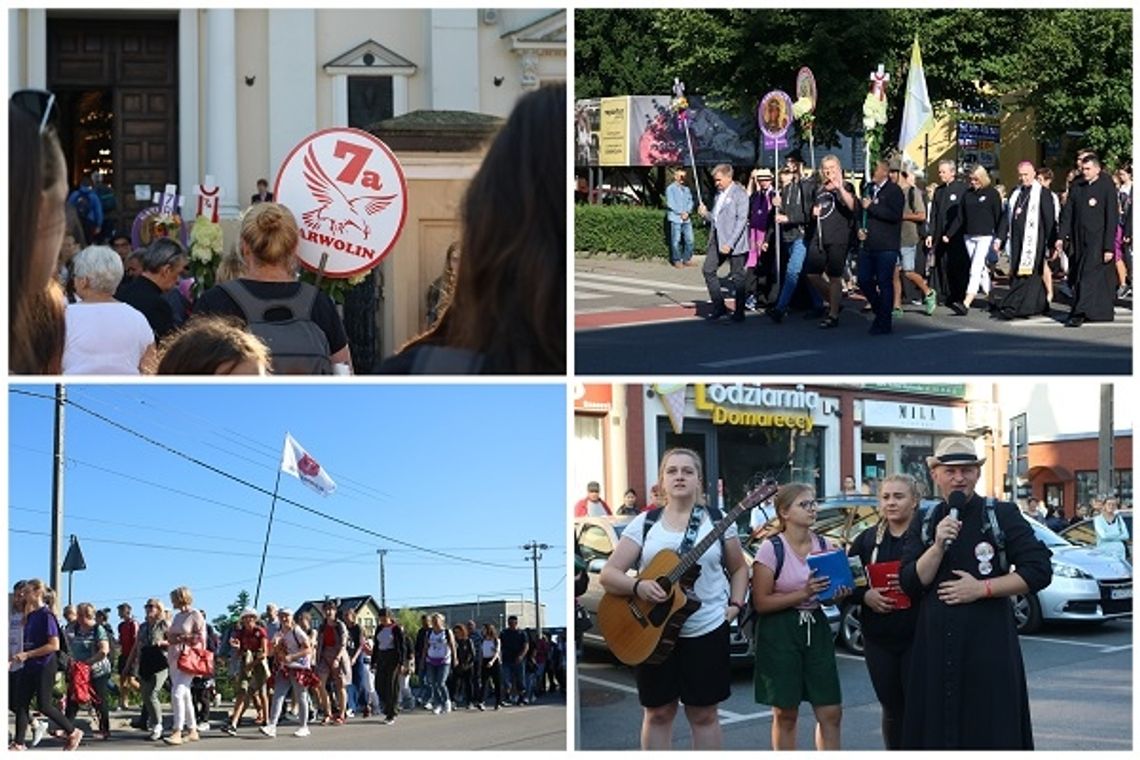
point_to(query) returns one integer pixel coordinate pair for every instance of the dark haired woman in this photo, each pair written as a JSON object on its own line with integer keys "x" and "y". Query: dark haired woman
{"x": 37, "y": 191}
{"x": 696, "y": 672}
{"x": 507, "y": 313}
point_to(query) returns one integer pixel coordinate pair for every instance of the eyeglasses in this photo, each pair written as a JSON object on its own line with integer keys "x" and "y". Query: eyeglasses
{"x": 150, "y": 606}
{"x": 807, "y": 503}
{"x": 39, "y": 104}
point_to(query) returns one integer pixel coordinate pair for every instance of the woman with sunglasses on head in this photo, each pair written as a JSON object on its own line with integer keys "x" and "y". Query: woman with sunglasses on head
{"x": 887, "y": 616}
{"x": 147, "y": 662}
{"x": 37, "y": 195}
{"x": 696, "y": 672}
{"x": 795, "y": 652}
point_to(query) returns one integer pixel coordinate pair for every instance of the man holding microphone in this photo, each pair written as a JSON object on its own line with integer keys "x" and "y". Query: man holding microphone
{"x": 966, "y": 688}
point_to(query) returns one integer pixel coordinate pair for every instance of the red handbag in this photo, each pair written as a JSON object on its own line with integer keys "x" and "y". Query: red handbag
{"x": 196, "y": 661}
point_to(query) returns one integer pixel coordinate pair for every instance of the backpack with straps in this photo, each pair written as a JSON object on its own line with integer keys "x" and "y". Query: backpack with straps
{"x": 990, "y": 525}
{"x": 297, "y": 345}
{"x": 653, "y": 515}
{"x": 750, "y": 617}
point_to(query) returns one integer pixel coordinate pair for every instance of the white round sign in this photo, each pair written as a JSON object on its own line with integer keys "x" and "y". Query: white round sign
{"x": 348, "y": 192}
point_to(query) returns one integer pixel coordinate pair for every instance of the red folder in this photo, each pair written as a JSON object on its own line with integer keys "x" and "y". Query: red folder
{"x": 884, "y": 576}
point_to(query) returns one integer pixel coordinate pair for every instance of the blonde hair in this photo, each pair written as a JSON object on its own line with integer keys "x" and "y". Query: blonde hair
{"x": 786, "y": 497}
{"x": 982, "y": 175}
{"x": 181, "y": 597}
{"x": 269, "y": 233}
{"x": 230, "y": 267}
{"x": 158, "y": 605}
{"x": 916, "y": 492}
{"x": 665, "y": 458}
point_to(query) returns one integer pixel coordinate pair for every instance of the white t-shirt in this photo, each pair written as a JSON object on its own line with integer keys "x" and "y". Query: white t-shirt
{"x": 105, "y": 339}
{"x": 712, "y": 583}
{"x": 294, "y": 638}
{"x": 490, "y": 648}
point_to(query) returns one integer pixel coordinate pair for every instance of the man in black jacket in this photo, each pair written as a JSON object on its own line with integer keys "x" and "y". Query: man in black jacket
{"x": 951, "y": 262}
{"x": 881, "y": 233}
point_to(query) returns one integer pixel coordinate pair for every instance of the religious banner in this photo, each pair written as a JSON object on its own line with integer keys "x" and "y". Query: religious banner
{"x": 161, "y": 220}
{"x": 774, "y": 117}
{"x": 348, "y": 193}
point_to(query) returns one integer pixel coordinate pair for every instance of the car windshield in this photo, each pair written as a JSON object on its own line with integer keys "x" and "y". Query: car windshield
{"x": 1046, "y": 536}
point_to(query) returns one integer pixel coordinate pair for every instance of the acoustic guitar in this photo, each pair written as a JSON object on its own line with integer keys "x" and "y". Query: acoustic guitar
{"x": 639, "y": 631}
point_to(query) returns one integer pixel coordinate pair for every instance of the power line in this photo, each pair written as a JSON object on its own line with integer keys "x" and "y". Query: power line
{"x": 218, "y": 471}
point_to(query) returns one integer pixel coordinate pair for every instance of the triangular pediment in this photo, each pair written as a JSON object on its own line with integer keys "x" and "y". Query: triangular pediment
{"x": 544, "y": 33}
{"x": 370, "y": 55}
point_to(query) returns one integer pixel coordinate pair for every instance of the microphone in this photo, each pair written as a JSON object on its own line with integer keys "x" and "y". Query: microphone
{"x": 956, "y": 501}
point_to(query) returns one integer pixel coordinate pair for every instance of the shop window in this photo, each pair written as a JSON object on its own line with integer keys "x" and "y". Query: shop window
{"x": 1087, "y": 487}
{"x": 1054, "y": 495}
{"x": 912, "y": 461}
{"x": 1123, "y": 485}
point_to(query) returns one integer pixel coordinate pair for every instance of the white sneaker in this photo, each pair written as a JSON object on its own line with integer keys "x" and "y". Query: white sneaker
{"x": 39, "y": 730}
{"x": 270, "y": 731}
{"x": 389, "y": 721}
{"x": 428, "y": 706}
{"x": 302, "y": 732}
{"x": 156, "y": 733}
{"x": 447, "y": 707}
{"x": 350, "y": 713}
{"x": 204, "y": 726}
{"x": 438, "y": 710}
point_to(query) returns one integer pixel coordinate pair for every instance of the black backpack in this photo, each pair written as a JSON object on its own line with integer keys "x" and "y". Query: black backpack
{"x": 298, "y": 346}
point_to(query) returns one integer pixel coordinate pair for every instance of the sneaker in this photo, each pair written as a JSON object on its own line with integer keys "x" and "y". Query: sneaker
{"x": 155, "y": 734}
{"x": 929, "y": 301}
{"x": 192, "y": 736}
{"x": 959, "y": 308}
{"x": 175, "y": 738}
{"x": 480, "y": 707}
{"x": 447, "y": 706}
{"x": 438, "y": 710}
{"x": 229, "y": 728}
{"x": 204, "y": 725}
{"x": 73, "y": 740}
{"x": 270, "y": 731}
{"x": 897, "y": 313}
{"x": 429, "y": 706}
{"x": 39, "y": 730}
{"x": 302, "y": 732}
{"x": 750, "y": 303}
{"x": 389, "y": 721}
{"x": 350, "y": 714}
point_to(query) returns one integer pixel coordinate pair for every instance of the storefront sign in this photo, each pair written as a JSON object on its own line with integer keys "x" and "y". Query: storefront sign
{"x": 756, "y": 406}
{"x": 593, "y": 397}
{"x": 348, "y": 193}
{"x": 900, "y": 415}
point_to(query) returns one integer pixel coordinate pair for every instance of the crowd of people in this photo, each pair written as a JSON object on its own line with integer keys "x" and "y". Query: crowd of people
{"x": 75, "y": 304}
{"x": 327, "y": 669}
{"x": 943, "y": 242}
{"x": 940, "y": 638}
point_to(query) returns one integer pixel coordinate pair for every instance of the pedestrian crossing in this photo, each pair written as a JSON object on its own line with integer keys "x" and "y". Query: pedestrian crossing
{"x": 595, "y": 288}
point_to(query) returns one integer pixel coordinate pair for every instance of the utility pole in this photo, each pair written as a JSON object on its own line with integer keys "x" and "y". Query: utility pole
{"x": 534, "y": 547}
{"x": 57, "y": 488}
{"x": 1105, "y": 454}
{"x": 383, "y": 596}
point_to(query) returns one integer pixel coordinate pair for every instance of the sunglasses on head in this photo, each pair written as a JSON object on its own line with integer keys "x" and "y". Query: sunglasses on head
{"x": 39, "y": 104}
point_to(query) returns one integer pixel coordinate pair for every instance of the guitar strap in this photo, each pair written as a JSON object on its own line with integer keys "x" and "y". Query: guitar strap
{"x": 695, "y": 518}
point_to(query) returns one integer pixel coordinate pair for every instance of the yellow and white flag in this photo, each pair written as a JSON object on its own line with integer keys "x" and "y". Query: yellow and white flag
{"x": 918, "y": 114}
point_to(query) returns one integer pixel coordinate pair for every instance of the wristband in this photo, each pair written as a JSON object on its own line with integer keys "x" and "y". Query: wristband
{"x": 989, "y": 589}
{"x": 738, "y": 605}
{"x": 636, "y": 583}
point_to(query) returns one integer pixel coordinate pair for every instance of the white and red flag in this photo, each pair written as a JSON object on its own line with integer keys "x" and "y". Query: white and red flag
{"x": 298, "y": 463}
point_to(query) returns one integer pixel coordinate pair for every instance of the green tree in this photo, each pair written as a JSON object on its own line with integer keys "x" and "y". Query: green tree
{"x": 409, "y": 619}
{"x": 615, "y": 53}
{"x": 232, "y": 613}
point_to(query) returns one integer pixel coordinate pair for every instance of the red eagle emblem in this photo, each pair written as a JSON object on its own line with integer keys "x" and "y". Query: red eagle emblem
{"x": 308, "y": 466}
{"x": 336, "y": 209}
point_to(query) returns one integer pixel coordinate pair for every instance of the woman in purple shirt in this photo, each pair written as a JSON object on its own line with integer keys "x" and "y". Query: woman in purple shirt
{"x": 37, "y": 667}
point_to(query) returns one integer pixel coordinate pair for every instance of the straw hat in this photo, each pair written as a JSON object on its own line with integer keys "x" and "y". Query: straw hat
{"x": 955, "y": 450}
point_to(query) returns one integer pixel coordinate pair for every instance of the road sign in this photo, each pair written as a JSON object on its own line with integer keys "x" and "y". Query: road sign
{"x": 74, "y": 559}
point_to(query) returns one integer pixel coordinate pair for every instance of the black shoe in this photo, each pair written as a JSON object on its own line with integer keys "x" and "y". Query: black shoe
{"x": 816, "y": 313}
{"x": 719, "y": 310}
{"x": 829, "y": 322}
{"x": 878, "y": 330}
{"x": 959, "y": 308}
{"x": 775, "y": 314}
{"x": 1075, "y": 322}
{"x": 738, "y": 316}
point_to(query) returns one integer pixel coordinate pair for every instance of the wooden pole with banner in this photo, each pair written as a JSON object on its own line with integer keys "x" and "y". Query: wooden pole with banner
{"x": 680, "y": 104}
{"x": 774, "y": 117}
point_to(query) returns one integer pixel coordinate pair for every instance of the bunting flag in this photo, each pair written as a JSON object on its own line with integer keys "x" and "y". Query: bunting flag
{"x": 297, "y": 462}
{"x": 918, "y": 115}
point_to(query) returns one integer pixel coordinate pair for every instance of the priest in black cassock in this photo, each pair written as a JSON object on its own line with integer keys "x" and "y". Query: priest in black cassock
{"x": 1030, "y": 230}
{"x": 1089, "y": 224}
{"x": 951, "y": 261}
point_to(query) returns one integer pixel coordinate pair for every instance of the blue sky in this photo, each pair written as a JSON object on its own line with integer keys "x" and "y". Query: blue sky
{"x": 474, "y": 471}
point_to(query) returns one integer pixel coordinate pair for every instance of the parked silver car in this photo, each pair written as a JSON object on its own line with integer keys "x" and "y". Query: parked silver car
{"x": 596, "y": 538}
{"x": 1087, "y": 585}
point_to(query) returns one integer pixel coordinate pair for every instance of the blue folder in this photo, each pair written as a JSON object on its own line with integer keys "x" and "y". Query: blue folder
{"x": 832, "y": 565}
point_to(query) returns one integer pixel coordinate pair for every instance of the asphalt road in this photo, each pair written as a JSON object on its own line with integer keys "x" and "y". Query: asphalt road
{"x": 1080, "y": 694}
{"x": 645, "y": 317}
{"x": 541, "y": 726}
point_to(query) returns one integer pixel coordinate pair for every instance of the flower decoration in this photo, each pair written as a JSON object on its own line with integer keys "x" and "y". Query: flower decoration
{"x": 206, "y": 246}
